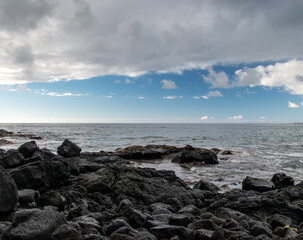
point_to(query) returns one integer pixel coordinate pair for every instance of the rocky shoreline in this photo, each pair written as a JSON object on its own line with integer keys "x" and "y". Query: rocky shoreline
{"x": 97, "y": 196}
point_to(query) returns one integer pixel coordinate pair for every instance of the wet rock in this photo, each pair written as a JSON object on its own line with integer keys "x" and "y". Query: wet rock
{"x": 227, "y": 152}
{"x": 140, "y": 152}
{"x": 28, "y": 149}
{"x": 256, "y": 184}
{"x": 205, "y": 185}
{"x": 28, "y": 197}
{"x": 290, "y": 234}
{"x": 66, "y": 232}
{"x": 4, "y": 142}
{"x": 8, "y": 192}
{"x": 12, "y": 158}
{"x": 220, "y": 234}
{"x": 5, "y": 133}
{"x": 34, "y": 225}
{"x": 167, "y": 231}
{"x": 69, "y": 149}
{"x": 160, "y": 206}
{"x": 203, "y": 156}
{"x": 281, "y": 180}
{"x": 52, "y": 198}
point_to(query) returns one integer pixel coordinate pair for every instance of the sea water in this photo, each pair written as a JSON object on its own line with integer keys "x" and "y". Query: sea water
{"x": 260, "y": 150}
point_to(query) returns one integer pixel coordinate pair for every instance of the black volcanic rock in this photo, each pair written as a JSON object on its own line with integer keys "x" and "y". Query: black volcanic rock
{"x": 202, "y": 156}
{"x": 257, "y": 184}
{"x": 12, "y": 158}
{"x": 34, "y": 225}
{"x": 28, "y": 149}
{"x": 205, "y": 185}
{"x": 69, "y": 149}
{"x": 281, "y": 180}
{"x": 8, "y": 192}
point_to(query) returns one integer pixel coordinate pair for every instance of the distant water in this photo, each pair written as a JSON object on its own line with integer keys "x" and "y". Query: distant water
{"x": 260, "y": 149}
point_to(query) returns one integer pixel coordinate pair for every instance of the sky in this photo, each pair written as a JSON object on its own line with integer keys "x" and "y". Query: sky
{"x": 195, "y": 61}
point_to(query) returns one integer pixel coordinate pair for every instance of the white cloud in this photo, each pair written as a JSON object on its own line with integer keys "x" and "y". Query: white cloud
{"x": 301, "y": 103}
{"x": 83, "y": 39}
{"x": 213, "y": 94}
{"x": 217, "y": 80}
{"x": 55, "y": 94}
{"x": 141, "y": 97}
{"x": 128, "y": 81}
{"x": 196, "y": 97}
{"x": 292, "y": 105}
{"x": 238, "y": 117}
{"x": 263, "y": 117}
{"x": 204, "y": 118}
{"x": 109, "y": 96}
{"x": 288, "y": 75}
{"x": 168, "y": 84}
{"x": 172, "y": 97}
{"x": 19, "y": 88}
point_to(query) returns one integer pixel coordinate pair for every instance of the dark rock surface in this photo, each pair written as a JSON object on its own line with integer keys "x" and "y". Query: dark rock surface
{"x": 8, "y": 192}
{"x": 281, "y": 180}
{"x": 202, "y": 156}
{"x": 69, "y": 149}
{"x": 101, "y": 196}
{"x": 34, "y": 225}
{"x": 12, "y": 158}
{"x": 257, "y": 184}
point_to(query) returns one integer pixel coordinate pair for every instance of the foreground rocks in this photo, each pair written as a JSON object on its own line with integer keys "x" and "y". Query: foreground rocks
{"x": 100, "y": 196}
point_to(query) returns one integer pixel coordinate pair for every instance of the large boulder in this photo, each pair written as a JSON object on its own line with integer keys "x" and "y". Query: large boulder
{"x": 281, "y": 180}
{"x": 28, "y": 149}
{"x": 202, "y": 156}
{"x": 34, "y": 225}
{"x": 12, "y": 158}
{"x": 8, "y": 192}
{"x": 41, "y": 175}
{"x": 205, "y": 185}
{"x": 101, "y": 181}
{"x": 69, "y": 149}
{"x": 257, "y": 184}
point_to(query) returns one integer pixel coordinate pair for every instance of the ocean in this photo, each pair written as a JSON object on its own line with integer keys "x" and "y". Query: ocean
{"x": 260, "y": 150}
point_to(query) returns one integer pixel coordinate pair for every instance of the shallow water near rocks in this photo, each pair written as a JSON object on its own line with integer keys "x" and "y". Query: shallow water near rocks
{"x": 260, "y": 150}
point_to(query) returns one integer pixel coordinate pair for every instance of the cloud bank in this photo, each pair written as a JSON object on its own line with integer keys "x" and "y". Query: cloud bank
{"x": 49, "y": 40}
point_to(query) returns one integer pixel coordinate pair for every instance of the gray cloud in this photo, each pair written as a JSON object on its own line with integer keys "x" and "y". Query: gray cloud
{"x": 78, "y": 39}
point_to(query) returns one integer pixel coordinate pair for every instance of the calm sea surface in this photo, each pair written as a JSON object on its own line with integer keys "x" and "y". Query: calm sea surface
{"x": 260, "y": 149}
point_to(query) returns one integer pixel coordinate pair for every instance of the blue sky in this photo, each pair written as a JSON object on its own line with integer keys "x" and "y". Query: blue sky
{"x": 186, "y": 97}
{"x": 202, "y": 61}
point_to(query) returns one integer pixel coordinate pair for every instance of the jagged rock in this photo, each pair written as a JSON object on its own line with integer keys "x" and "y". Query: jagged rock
{"x": 12, "y": 158}
{"x": 259, "y": 229}
{"x": 115, "y": 225}
{"x": 4, "y": 142}
{"x": 34, "y": 225}
{"x": 52, "y": 198}
{"x": 4, "y": 133}
{"x": 28, "y": 197}
{"x": 66, "y": 232}
{"x": 205, "y": 185}
{"x": 88, "y": 223}
{"x": 257, "y": 184}
{"x": 278, "y": 220}
{"x": 203, "y": 156}
{"x": 41, "y": 175}
{"x": 69, "y": 149}
{"x": 28, "y": 149}
{"x": 134, "y": 217}
{"x": 281, "y": 180}
{"x": 191, "y": 209}
{"x": 100, "y": 181}
{"x": 2, "y": 152}
{"x": 8, "y": 192}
